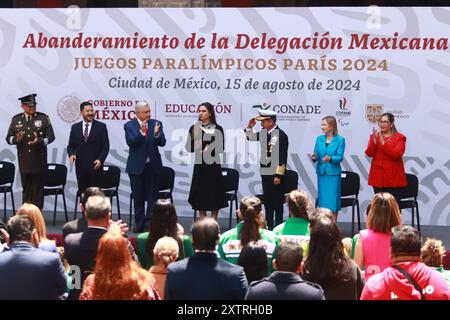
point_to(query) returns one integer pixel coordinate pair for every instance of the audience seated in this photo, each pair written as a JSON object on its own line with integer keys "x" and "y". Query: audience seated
{"x": 296, "y": 227}
{"x": 165, "y": 252}
{"x": 285, "y": 283}
{"x": 33, "y": 212}
{"x": 28, "y": 273}
{"x": 327, "y": 263}
{"x": 80, "y": 225}
{"x": 116, "y": 276}
{"x": 81, "y": 248}
{"x": 164, "y": 222}
{"x": 407, "y": 278}
{"x": 372, "y": 245}
{"x": 232, "y": 241}
{"x": 253, "y": 259}
{"x": 432, "y": 254}
{"x": 205, "y": 276}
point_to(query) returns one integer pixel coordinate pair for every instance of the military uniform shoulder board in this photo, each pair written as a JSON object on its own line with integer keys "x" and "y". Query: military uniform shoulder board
{"x": 18, "y": 115}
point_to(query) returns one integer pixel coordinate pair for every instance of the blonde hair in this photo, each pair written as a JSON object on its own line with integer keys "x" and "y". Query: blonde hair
{"x": 332, "y": 122}
{"x": 384, "y": 213}
{"x": 433, "y": 253}
{"x": 35, "y": 215}
{"x": 165, "y": 251}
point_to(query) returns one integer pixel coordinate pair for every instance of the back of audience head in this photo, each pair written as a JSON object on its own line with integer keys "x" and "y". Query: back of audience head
{"x": 250, "y": 211}
{"x": 205, "y": 234}
{"x": 384, "y": 213}
{"x": 89, "y": 192}
{"x": 299, "y": 204}
{"x": 98, "y": 209}
{"x": 164, "y": 222}
{"x": 405, "y": 242}
{"x": 289, "y": 257}
{"x": 21, "y": 229}
{"x": 433, "y": 253}
{"x": 327, "y": 262}
{"x": 320, "y": 213}
{"x": 35, "y": 215}
{"x": 117, "y": 276}
{"x": 165, "y": 252}
{"x": 253, "y": 258}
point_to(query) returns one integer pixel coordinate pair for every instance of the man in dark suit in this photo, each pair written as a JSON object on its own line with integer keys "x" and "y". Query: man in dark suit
{"x": 285, "y": 283}
{"x": 28, "y": 273}
{"x": 81, "y": 224}
{"x": 144, "y": 135}
{"x": 273, "y": 159}
{"x": 31, "y": 132}
{"x": 205, "y": 276}
{"x": 81, "y": 248}
{"x": 88, "y": 147}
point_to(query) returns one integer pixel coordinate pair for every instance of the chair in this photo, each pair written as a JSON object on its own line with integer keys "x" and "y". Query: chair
{"x": 7, "y": 173}
{"x": 230, "y": 180}
{"x": 165, "y": 188}
{"x": 409, "y": 198}
{"x": 54, "y": 182}
{"x": 109, "y": 182}
{"x": 350, "y": 183}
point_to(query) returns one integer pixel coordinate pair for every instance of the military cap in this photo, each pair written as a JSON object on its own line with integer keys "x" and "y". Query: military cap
{"x": 29, "y": 100}
{"x": 265, "y": 114}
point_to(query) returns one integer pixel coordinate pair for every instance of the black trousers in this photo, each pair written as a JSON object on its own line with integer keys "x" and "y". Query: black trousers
{"x": 273, "y": 200}
{"x": 396, "y": 192}
{"x": 87, "y": 177}
{"x": 33, "y": 188}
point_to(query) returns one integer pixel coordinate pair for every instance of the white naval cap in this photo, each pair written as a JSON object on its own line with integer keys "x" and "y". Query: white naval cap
{"x": 265, "y": 114}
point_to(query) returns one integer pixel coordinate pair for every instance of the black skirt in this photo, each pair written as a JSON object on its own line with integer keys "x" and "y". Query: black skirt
{"x": 207, "y": 192}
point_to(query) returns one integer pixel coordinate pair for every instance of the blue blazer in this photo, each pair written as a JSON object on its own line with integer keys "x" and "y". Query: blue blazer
{"x": 31, "y": 274}
{"x": 335, "y": 150}
{"x": 205, "y": 276}
{"x": 141, "y": 148}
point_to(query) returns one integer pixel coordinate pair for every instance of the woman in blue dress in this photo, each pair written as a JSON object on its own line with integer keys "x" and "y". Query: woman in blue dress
{"x": 328, "y": 153}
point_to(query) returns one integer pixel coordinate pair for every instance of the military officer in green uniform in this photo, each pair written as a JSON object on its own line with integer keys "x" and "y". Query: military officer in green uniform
{"x": 31, "y": 132}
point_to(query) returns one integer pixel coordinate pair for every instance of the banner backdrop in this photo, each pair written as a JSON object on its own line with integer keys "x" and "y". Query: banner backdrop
{"x": 304, "y": 63}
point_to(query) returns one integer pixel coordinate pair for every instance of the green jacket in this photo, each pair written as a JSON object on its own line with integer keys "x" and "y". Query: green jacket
{"x": 294, "y": 229}
{"x": 147, "y": 261}
{"x": 230, "y": 244}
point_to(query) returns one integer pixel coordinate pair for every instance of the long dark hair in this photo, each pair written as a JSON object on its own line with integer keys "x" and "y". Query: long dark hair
{"x": 391, "y": 119}
{"x": 253, "y": 258}
{"x": 163, "y": 223}
{"x": 326, "y": 263}
{"x": 250, "y": 208}
{"x": 211, "y": 110}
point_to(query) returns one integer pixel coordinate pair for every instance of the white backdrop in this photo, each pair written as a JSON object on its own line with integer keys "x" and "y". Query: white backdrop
{"x": 412, "y": 83}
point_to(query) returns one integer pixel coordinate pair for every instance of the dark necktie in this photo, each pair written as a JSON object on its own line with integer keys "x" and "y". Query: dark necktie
{"x": 86, "y": 132}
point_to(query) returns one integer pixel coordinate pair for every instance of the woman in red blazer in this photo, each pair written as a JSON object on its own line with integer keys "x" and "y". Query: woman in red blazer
{"x": 386, "y": 147}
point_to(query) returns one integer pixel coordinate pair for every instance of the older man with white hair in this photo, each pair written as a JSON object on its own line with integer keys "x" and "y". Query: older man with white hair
{"x": 144, "y": 136}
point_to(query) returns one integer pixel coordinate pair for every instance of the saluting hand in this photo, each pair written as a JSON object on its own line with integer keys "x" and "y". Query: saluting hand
{"x": 251, "y": 123}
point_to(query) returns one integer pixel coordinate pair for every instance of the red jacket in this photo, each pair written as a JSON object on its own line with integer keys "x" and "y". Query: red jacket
{"x": 387, "y": 170}
{"x": 392, "y": 285}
